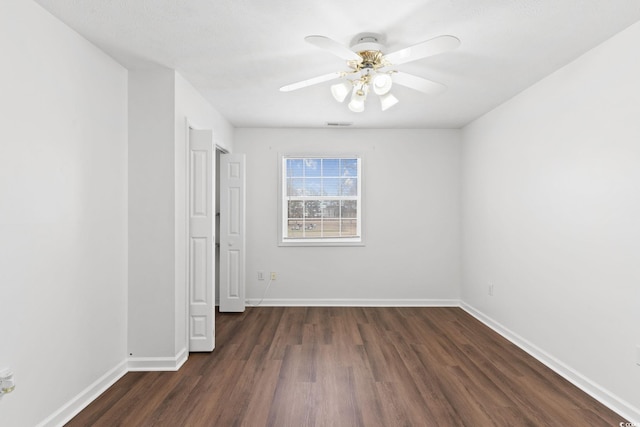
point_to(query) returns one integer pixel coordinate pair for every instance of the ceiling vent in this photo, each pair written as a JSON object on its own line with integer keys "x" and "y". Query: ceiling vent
{"x": 339, "y": 124}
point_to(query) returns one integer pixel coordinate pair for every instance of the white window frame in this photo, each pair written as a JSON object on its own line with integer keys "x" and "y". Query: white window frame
{"x": 283, "y": 200}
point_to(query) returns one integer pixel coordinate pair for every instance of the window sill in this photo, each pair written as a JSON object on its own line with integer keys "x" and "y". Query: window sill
{"x": 316, "y": 243}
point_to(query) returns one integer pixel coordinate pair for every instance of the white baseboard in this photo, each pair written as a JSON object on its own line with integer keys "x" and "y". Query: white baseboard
{"x": 136, "y": 364}
{"x": 292, "y": 302}
{"x": 84, "y": 398}
{"x": 599, "y": 393}
{"x": 75, "y": 405}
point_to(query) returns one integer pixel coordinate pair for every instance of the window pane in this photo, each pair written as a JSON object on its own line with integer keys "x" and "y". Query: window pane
{"x": 348, "y": 167}
{"x": 331, "y": 167}
{"x": 295, "y": 229}
{"x": 296, "y": 209}
{"x": 313, "y": 187}
{"x": 349, "y": 227}
{"x": 312, "y": 167}
{"x": 331, "y": 227}
{"x": 313, "y": 229}
{"x": 349, "y": 209}
{"x": 331, "y": 186}
{"x": 313, "y": 209}
{"x": 331, "y": 209}
{"x": 294, "y": 167}
{"x": 295, "y": 186}
{"x": 349, "y": 187}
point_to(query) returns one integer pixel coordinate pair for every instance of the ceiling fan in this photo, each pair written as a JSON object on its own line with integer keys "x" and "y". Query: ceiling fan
{"x": 371, "y": 69}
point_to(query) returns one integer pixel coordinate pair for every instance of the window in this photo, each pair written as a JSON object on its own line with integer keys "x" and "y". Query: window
{"x": 321, "y": 200}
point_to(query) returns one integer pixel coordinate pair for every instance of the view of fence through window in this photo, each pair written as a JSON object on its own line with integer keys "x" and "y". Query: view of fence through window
{"x": 322, "y": 198}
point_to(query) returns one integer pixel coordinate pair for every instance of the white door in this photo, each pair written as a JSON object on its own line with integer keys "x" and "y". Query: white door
{"x": 201, "y": 240}
{"x": 232, "y": 232}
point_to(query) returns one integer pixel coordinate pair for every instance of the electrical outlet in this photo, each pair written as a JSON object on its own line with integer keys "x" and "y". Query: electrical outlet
{"x": 260, "y": 275}
{"x": 273, "y": 275}
{"x": 491, "y": 289}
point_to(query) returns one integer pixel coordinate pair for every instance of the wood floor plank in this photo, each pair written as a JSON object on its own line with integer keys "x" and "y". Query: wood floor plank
{"x": 294, "y": 404}
{"x": 262, "y": 395}
{"x": 169, "y": 414}
{"x": 337, "y": 398}
{"x": 350, "y": 366}
{"x": 93, "y": 413}
{"x": 239, "y": 396}
{"x": 367, "y": 397}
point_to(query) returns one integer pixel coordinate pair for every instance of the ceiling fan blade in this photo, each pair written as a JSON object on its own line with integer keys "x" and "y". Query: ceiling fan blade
{"x": 310, "y": 82}
{"x": 430, "y": 47}
{"x": 334, "y": 47}
{"x": 418, "y": 83}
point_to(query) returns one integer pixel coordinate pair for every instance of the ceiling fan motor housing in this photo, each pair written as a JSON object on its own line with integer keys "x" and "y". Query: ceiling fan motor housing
{"x": 368, "y": 42}
{"x": 371, "y": 59}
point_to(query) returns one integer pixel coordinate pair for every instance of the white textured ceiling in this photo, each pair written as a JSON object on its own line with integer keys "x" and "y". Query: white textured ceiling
{"x": 237, "y": 53}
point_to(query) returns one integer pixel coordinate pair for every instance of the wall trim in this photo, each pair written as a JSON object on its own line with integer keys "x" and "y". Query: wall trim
{"x": 85, "y": 397}
{"x": 91, "y": 393}
{"x": 145, "y": 364}
{"x": 602, "y": 395}
{"x": 343, "y": 302}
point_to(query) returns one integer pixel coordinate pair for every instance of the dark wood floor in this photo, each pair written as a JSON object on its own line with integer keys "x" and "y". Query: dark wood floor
{"x": 321, "y": 366}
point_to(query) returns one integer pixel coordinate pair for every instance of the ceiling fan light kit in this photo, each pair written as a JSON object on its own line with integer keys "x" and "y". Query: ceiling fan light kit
{"x": 382, "y": 84}
{"x": 341, "y": 90}
{"x": 387, "y": 101}
{"x": 372, "y": 69}
{"x": 358, "y": 96}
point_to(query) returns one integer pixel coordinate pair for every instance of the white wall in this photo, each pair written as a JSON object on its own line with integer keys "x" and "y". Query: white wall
{"x": 161, "y": 102}
{"x": 151, "y": 214}
{"x": 63, "y": 214}
{"x": 414, "y": 256}
{"x": 551, "y": 202}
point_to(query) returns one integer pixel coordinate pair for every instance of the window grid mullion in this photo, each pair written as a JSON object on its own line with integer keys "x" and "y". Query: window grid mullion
{"x": 324, "y": 186}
